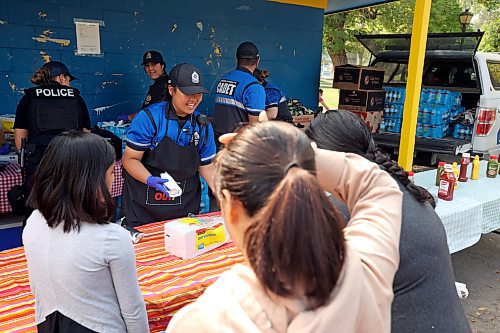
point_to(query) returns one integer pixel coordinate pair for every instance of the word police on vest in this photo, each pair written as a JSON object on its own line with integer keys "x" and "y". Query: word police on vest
{"x": 226, "y": 87}
{"x": 172, "y": 187}
{"x": 55, "y": 92}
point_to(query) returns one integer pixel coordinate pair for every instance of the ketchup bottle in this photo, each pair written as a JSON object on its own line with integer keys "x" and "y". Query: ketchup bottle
{"x": 464, "y": 163}
{"x": 446, "y": 183}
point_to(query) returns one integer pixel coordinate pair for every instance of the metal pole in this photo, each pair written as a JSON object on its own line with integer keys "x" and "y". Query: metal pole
{"x": 414, "y": 82}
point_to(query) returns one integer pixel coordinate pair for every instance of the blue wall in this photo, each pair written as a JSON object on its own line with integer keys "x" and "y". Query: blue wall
{"x": 205, "y": 33}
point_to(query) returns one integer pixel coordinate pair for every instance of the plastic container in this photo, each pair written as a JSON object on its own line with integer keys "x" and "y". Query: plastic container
{"x": 7, "y": 122}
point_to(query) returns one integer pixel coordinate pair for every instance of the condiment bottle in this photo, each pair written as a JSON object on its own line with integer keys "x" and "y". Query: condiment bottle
{"x": 410, "y": 177}
{"x": 475, "y": 168}
{"x": 464, "y": 163}
{"x": 492, "y": 167}
{"x": 456, "y": 173}
{"x": 439, "y": 171}
{"x": 446, "y": 183}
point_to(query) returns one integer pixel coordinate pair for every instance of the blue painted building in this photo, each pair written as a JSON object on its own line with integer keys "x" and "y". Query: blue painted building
{"x": 205, "y": 33}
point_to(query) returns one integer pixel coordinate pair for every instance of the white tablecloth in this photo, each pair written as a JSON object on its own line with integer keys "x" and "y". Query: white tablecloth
{"x": 474, "y": 210}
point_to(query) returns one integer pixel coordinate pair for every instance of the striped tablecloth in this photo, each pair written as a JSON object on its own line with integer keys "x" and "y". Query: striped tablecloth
{"x": 12, "y": 176}
{"x": 167, "y": 282}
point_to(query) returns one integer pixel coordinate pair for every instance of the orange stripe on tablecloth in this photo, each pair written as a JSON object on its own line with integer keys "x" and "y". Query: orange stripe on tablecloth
{"x": 167, "y": 282}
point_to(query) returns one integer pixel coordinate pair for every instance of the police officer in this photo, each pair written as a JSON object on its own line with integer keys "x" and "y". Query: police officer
{"x": 47, "y": 110}
{"x": 154, "y": 67}
{"x": 276, "y": 103}
{"x": 240, "y": 97}
{"x": 169, "y": 136}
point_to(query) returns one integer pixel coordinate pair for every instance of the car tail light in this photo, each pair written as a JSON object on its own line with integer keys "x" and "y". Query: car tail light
{"x": 485, "y": 121}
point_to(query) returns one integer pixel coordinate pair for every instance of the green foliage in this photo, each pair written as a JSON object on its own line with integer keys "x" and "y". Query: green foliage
{"x": 397, "y": 17}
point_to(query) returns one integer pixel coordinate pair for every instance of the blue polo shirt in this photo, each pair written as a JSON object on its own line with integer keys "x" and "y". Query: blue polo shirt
{"x": 239, "y": 95}
{"x": 141, "y": 135}
{"x": 274, "y": 96}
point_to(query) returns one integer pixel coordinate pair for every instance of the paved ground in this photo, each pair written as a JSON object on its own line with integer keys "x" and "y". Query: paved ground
{"x": 479, "y": 267}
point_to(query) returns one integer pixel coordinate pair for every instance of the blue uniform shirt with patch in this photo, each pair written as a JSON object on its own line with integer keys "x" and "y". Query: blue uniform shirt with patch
{"x": 141, "y": 134}
{"x": 239, "y": 95}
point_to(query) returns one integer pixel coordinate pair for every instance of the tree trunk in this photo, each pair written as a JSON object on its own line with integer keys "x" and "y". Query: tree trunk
{"x": 335, "y": 39}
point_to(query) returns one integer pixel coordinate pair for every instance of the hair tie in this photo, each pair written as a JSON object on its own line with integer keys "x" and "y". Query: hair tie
{"x": 291, "y": 165}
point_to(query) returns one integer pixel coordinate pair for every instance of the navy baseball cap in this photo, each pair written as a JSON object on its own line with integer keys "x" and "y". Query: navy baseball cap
{"x": 57, "y": 68}
{"x": 152, "y": 56}
{"x": 247, "y": 50}
{"x": 187, "y": 78}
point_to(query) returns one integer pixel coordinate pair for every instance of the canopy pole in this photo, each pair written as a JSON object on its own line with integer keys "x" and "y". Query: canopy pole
{"x": 414, "y": 82}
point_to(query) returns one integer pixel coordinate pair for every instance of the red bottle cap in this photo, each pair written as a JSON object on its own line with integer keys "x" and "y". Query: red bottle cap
{"x": 442, "y": 163}
{"x": 494, "y": 157}
{"x": 410, "y": 173}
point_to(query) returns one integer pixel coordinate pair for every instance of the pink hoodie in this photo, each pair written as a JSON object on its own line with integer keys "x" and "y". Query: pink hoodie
{"x": 361, "y": 299}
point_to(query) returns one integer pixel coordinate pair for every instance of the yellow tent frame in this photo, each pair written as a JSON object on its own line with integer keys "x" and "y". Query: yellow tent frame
{"x": 415, "y": 69}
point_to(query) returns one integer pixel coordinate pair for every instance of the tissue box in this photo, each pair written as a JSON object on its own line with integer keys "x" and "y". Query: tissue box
{"x": 191, "y": 236}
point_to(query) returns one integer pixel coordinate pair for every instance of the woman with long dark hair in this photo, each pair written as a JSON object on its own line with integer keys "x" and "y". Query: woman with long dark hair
{"x": 303, "y": 271}
{"x": 425, "y": 297}
{"x": 81, "y": 267}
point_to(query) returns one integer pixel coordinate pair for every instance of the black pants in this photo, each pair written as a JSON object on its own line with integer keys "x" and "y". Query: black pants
{"x": 59, "y": 323}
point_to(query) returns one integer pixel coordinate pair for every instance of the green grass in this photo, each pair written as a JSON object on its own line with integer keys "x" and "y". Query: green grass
{"x": 330, "y": 95}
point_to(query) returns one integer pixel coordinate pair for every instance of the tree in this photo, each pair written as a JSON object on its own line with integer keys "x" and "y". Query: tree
{"x": 395, "y": 17}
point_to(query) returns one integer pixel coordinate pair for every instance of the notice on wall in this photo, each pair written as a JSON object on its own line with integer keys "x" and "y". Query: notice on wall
{"x": 88, "y": 41}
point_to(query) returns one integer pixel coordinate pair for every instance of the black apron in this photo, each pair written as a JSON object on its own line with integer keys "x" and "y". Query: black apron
{"x": 144, "y": 204}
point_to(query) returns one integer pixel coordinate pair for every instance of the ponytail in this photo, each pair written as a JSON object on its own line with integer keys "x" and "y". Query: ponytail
{"x": 41, "y": 76}
{"x": 294, "y": 241}
{"x": 295, "y": 244}
{"x": 341, "y": 130}
{"x": 383, "y": 159}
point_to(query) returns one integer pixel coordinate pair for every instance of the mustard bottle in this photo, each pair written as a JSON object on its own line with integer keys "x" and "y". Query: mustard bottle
{"x": 475, "y": 168}
{"x": 456, "y": 173}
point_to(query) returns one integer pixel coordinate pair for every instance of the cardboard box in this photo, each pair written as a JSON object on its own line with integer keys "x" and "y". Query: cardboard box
{"x": 363, "y": 100}
{"x": 357, "y": 77}
{"x": 191, "y": 236}
{"x": 372, "y": 119}
{"x": 302, "y": 122}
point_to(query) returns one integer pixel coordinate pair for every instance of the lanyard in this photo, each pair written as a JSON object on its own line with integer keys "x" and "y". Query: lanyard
{"x": 180, "y": 129}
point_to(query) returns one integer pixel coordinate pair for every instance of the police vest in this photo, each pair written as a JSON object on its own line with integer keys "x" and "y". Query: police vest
{"x": 53, "y": 108}
{"x": 229, "y": 107}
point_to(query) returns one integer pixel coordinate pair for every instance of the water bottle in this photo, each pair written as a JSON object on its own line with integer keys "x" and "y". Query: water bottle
{"x": 381, "y": 127}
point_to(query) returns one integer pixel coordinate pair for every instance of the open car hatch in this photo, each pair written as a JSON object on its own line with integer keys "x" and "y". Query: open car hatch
{"x": 394, "y": 47}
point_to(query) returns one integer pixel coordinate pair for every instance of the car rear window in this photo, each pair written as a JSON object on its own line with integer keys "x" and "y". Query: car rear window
{"x": 494, "y": 69}
{"x": 450, "y": 74}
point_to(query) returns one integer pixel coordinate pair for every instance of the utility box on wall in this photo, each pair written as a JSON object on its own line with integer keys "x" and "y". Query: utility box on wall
{"x": 113, "y": 82}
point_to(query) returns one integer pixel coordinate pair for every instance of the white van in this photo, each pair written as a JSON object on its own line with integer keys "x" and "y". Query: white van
{"x": 452, "y": 63}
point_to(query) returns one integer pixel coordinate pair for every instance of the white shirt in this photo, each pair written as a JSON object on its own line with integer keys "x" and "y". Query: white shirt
{"x": 89, "y": 276}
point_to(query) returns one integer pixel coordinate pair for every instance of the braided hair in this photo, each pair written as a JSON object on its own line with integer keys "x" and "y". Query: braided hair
{"x": 344, "y": 131}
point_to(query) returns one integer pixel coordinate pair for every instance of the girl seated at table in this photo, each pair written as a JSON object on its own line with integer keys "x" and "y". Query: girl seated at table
{"x": 425, "y": 297}
{"x": 303, "y": 270}
{"x": 81, "y": 267}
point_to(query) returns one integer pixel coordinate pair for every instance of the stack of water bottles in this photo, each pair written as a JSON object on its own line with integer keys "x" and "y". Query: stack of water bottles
{"x": 435, "y": 108}
{"x": 393, "y": 109}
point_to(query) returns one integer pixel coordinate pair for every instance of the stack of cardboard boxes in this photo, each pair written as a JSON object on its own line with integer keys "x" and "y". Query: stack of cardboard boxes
{"x": 361, "y": 92}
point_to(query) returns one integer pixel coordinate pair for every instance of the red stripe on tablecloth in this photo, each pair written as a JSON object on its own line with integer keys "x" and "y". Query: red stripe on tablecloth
{"x": 167, "y": 282}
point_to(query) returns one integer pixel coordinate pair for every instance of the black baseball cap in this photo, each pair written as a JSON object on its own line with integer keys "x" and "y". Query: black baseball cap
{"x": 57, "y": 68}
{"x": 152, "y": 56}
{"x": 187, "y": 78}
{"x": 247, "y": 50}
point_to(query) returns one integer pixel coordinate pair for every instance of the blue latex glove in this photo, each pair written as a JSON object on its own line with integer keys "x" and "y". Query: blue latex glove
{"x": 157, "y": 183}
